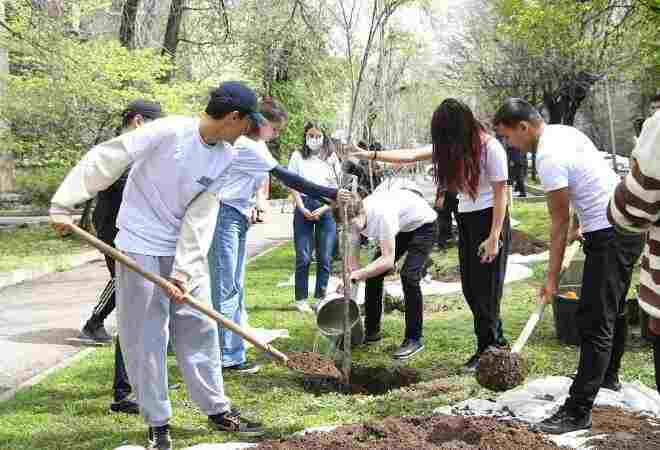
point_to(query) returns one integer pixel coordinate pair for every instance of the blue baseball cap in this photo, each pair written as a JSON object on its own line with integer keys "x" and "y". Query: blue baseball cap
{"x": 145, "y": 108}
{"x": 239, "y": 96}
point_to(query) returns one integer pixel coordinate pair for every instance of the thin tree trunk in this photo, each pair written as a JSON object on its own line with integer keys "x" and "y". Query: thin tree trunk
{"x": 7, "y": 173}
{"x": 172, "y": 35}
{"x": 128, "y": 23}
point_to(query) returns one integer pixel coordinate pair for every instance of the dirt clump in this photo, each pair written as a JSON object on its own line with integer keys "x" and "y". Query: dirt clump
{"x": 313, "y": 365}
{"x": 366, "y": 380}
{"x": 500, "y": 370}
{"x": 523, "y": 244}
{"x": 624, "y": 430}
{"x": 421, "y": 433}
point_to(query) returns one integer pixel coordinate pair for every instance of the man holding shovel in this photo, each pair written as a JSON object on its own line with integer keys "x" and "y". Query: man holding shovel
{"x": 572, "y": 171}
{"x": 173, "y": 160}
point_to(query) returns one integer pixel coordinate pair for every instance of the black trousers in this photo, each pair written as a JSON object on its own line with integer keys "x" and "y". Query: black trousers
{"x": 107, "y": 300}
{"x": 445, "y": 213}
{"x": 418, "y": 243}
{"x": 610, "y": 258}
{"x": 121, "y": 387}
{"x": 483, "y": 284}
{"x": 518, "y": 176}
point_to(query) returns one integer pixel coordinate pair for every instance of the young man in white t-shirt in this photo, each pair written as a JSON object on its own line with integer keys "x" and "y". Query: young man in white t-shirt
{"x": 572, "y": 171}
{"x": 173, "y": 160}
{"x": 401, "y": 221}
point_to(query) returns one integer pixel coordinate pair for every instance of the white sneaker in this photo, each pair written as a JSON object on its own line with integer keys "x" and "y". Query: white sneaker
{"x": 304, "y": 307}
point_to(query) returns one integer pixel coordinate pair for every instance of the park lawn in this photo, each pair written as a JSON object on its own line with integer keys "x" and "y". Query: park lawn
{"x": 69, "y": 410}
{"x": 24, "y": 247}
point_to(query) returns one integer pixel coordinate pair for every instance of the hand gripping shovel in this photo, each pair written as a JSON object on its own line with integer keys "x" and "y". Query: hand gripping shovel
{"x": 187, "y": 299}
{"x": 537, "y": 315}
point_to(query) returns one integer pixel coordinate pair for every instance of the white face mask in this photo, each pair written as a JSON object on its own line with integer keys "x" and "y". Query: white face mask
{"x": 314, "y": 143}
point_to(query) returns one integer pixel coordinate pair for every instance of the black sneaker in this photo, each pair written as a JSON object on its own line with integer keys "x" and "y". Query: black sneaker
{"x": 611, "y": 383}
{"x": 565, "y": 421}
{"x": 409, "y": 348}
{"x": 233, "y": 422}
{"x": 96, "y": 333}
{"x": 472, "y": 364}
{"x": 159, "y": 438}
{"x": 246, "y": 367}
{"x": 126, "y": 405}
{"x": 373, "y": 338}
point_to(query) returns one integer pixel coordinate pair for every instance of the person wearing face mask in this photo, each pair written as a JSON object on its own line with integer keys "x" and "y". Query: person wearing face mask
{"x": 310, "y": 214}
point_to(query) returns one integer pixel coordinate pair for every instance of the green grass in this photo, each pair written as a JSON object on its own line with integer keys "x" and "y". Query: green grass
{"x": 69, "y": 410}
{"x": 534, "y": 219}
{"x": 25, "y": 247}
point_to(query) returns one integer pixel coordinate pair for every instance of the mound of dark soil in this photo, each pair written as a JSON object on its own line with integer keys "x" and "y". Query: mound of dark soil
{"x": 625, "y": 430}
{"x": 365, "y": 380}
{"x": 523, "y": 244}
{"x": 421, "y": 433}
{"x": 313, "y": 365}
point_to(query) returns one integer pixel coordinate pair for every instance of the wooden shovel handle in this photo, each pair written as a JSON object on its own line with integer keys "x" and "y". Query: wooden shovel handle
{"x": 537, "y": 315}
{"x": 167, "y": 285}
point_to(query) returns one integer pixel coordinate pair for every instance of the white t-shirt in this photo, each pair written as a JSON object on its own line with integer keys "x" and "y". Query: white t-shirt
{"x": 237, "y": 186}
{"x": 566, "y": 157}
{"x": 392, "y": 211}
{"x": 171, "y": 165}
{"x": 322, "y": 172}
{"x": 494, "y": 168}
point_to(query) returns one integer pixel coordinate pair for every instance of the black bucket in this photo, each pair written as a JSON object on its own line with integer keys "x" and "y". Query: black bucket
{"x": 564, "y": 310}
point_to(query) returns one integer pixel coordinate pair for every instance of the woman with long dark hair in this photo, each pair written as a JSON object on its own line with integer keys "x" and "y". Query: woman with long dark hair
{"x": 311, "y": 163}
{"x": 468, "y": 160}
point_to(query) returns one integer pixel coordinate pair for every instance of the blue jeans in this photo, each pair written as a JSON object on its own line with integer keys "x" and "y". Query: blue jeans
{"x": 303, "y": 236}
{"x": 227, "y": 259}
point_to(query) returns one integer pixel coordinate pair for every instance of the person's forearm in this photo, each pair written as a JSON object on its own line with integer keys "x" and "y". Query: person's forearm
{"x": 297, "y": 200}
{"x": 558, "y": 237}
{"x": 376, "y": 267}
{"x": 96, "y": 171}
{"x": 197, "y": 230}
{"x": 399, "y": 156}
{"x": 300, "y": 184}
{"x": 262, "y": 195}
{"x": 499, "y": 210}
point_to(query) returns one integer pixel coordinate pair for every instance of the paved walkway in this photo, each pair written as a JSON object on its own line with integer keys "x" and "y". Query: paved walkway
{"x": 40, "y": 319}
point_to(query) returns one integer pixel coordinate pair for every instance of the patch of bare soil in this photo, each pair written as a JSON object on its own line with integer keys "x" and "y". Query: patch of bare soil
{"x": 523, "y": 244}
{"x": 313, "y": 365}
{"x": 625, "y": 430}
{"x": 500, "y": 370}
{"x": 421, "y": 433}
{"x": 366, "y": 380}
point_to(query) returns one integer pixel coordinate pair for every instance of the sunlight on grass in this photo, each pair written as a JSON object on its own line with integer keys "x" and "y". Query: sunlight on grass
{"x": 24, "y": 247}
{"x": 69, "y": 410}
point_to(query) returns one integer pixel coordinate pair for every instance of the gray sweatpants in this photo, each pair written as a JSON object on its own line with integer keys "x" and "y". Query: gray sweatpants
{"x": 144, "y": 312}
